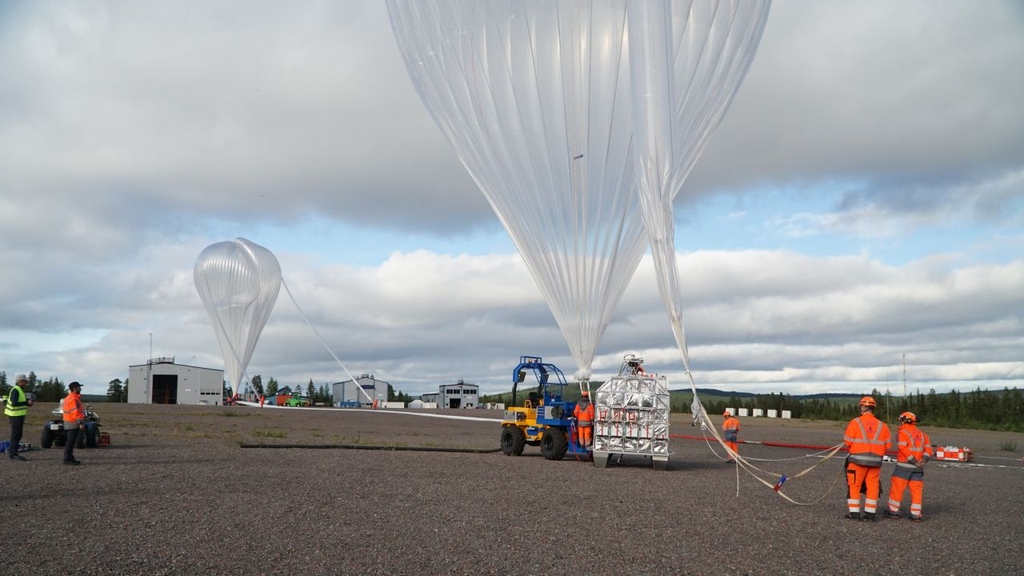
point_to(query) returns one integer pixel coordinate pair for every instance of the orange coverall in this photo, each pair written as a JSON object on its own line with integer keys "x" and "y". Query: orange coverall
{"x": 584, "y": 413}
{"x": 912, "y": 447}
{"x": 731, "y": 429}
{"x": 867, "y": 438}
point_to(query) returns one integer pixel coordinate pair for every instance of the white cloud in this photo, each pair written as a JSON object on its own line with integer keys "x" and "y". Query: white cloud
{"x": 139, "y": 133}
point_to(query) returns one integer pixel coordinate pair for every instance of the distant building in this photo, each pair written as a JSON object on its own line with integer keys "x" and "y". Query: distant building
{"x": 161, "y": 381}
{"x": 458, "y": 395}
{"x": 363, "y": 392}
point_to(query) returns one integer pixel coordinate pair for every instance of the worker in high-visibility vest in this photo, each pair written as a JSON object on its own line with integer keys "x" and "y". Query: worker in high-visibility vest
{"x": 74, "y": 421}
{"x": 914, "y": 450}
{"x": 867, "y": 438}
{"x": 584, "y": 413}
{"x": 731, "y": 430}
{"x": 15, "y": 409}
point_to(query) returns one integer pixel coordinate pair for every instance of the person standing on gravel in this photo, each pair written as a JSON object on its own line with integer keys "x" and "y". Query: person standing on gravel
{"x": 731, "y": 430}
{"x": 15, "y": 409}
{"x": 867, "y": 438}
{"x": 914, "y": 450}
{"x": 74, "y": 421}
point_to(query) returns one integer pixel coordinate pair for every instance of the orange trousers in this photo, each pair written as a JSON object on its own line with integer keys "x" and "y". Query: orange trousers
{"x": 897, "y": 486}
{"x": 734, "y": 446}
{"x": 584, "y": 434}
{"x": 871, "y": 475}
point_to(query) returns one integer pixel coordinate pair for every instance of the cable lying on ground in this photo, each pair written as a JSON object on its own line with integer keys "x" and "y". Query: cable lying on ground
{"x": 382, "y": 448}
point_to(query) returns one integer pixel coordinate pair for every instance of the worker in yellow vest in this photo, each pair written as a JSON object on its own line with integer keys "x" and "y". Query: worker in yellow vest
{"x": 15, "y": 409}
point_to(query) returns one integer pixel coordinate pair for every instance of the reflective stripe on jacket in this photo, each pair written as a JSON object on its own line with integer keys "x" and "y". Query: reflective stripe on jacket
{"x": 867, "y": 438}
{"x": 913, "y": 443}
{"x": 584, "y": 415}
{"x": 72, "y": 407}
{"x": 16, "y": 406}
{"x": 731, "y": 427}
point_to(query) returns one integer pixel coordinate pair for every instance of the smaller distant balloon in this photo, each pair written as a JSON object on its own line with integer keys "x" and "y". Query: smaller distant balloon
{"x": 238, "y": 283}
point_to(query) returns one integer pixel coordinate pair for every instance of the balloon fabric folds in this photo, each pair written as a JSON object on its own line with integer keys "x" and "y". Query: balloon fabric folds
{"x": 572, "y": 117}
{"x": 688, "y": 60}
{"x": 535, "y": 99}
{"x": 238, "y": 283}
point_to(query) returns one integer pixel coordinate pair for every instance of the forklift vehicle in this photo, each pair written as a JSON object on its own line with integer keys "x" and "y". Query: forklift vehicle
{"x": 545, "y": 419}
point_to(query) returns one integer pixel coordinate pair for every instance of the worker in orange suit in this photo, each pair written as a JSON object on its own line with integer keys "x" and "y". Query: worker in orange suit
{"x": 73, "y": 416}
{"x": 731, "y": 431}
{"x": 867, "y": 438}
{"x": 584, "y": 413}
{"x": 913, "y": 451}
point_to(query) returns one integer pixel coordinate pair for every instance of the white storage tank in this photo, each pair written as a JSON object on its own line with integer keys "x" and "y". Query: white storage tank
{"x": 773, "y": 413}
{"x": 758, "y": 412}
{"x": 787, "y": 413}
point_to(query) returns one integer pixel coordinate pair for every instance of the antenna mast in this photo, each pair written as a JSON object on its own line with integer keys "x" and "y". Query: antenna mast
{"x": 905, "y": 375}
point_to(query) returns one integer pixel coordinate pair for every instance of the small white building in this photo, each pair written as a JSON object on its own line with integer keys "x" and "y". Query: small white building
{"x": 363, "y": 392}
{"x": 161, "y": 381}
{"x": 459, "y": 395}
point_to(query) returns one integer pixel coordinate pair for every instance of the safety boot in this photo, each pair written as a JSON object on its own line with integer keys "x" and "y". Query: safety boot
{"x": 915, "y": 518}
{"x": 852, "y": 516}
{"x": 893, "y": 515}
{"x": 868, "y": 517}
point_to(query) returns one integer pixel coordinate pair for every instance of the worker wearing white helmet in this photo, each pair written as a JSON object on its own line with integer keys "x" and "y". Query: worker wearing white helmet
{"x": 914, "y": 450}
{"x": 15, "y": 408}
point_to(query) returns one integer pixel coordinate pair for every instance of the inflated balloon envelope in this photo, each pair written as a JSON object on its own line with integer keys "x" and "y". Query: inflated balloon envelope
{"x": 534, "y": 98}
{"x": 238, "y": 283}
{"x": 579, "y": 121}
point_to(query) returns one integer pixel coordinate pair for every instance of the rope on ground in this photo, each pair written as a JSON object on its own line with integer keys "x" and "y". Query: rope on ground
{"x": 378, "y": 447}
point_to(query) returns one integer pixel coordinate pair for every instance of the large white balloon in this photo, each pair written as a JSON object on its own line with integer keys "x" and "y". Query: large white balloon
{"x": 534, "y": 97}
{"x": 687, "y": 59}
{"x": 238, "y": 283}
{"x": 557, "y": 108}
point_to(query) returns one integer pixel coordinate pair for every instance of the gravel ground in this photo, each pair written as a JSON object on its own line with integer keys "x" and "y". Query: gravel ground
{"x": 176, "y": 493}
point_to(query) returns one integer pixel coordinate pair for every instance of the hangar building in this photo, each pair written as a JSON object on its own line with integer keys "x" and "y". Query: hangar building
{"x": 347, "y": 394}
{"x": 161, "y": 381}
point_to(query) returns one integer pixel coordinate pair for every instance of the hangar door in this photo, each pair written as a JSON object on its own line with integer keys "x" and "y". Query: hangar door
{"x": 165, "y": 389}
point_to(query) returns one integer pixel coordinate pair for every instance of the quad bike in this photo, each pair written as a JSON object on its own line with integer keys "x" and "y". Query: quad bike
{"x": 54, "y": 435}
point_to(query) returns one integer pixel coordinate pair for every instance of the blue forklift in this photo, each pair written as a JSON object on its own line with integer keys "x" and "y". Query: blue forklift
{"x": 545, "y": 419}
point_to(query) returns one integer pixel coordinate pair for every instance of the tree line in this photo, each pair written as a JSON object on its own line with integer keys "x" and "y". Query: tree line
{"x": 49, "y": 390}
{"x": 321, "y": 396}
{"x": 981, "y": 409}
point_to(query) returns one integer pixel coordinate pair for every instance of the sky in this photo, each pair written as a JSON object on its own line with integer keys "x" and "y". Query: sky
{"x": 856, "y": 222}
